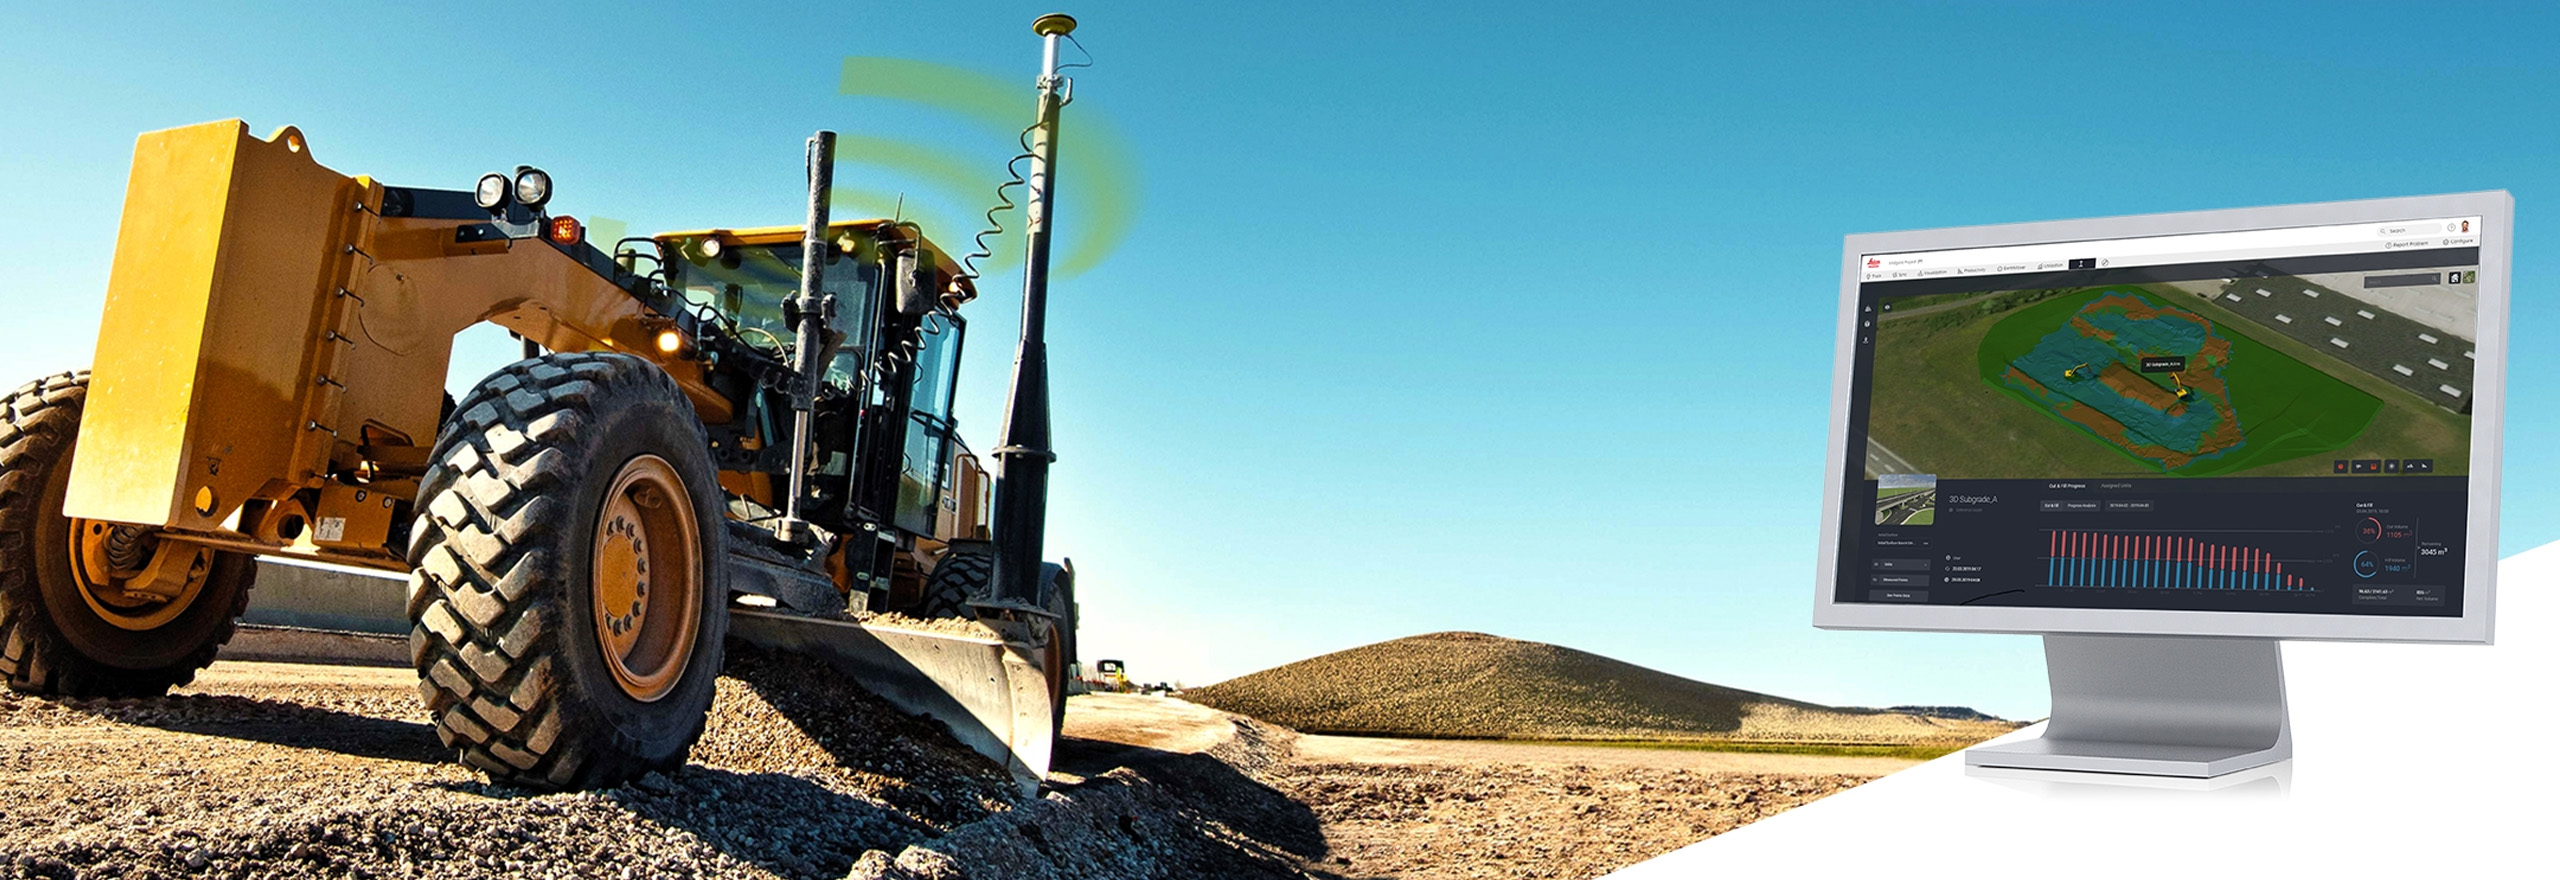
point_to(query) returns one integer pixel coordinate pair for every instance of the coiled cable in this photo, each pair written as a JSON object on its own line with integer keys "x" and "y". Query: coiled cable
{"x": 946, "y": 310}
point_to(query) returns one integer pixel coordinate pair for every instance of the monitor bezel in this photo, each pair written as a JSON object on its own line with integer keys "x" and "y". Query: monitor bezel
{"x": 2479, "y": 595}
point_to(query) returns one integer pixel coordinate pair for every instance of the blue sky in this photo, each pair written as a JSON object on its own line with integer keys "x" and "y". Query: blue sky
{"x": 1515, "y": 320}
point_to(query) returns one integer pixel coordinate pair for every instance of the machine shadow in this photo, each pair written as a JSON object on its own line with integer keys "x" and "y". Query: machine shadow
{"x": 1209, "y": 794}
{"x": 276, "y": 722}
{"x": 779, "y": 822}
{"x": 936, "y": 787}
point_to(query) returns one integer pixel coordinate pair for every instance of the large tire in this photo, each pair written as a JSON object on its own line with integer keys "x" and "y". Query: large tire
{"x": 966, "y": 573}
{"x": 54, "y": 638}
{"x": 515, "y": 659}
{"x": 1058, "y": 596}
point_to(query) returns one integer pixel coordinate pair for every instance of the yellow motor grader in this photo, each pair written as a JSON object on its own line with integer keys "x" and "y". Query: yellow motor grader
{"x": 715, "y": 433}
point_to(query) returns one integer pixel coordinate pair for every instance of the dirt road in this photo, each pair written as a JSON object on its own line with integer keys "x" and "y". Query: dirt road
{"x": 1468, "y": 753}
{"x": 1944, "y": 306}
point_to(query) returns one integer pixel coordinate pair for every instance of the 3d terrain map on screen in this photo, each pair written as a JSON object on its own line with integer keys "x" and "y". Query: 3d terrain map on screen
{"x": 2145, "y": 379}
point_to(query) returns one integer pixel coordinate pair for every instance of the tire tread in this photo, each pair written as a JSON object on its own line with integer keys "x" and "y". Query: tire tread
{"x": 486, "y": 599}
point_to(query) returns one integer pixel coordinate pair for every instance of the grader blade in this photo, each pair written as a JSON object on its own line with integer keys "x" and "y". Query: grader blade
{"x": 992, "y": 694}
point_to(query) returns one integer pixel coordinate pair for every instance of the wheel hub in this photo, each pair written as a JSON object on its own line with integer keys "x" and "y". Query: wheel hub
{"x": 622, "y": 580}
{"x": 646, "y": 585}
{"x": 130, "y": 578}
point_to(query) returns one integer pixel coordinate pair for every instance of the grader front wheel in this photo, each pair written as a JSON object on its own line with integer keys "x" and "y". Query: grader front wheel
{"x": 568, "y": 581}
{"x": 95, "y": 609}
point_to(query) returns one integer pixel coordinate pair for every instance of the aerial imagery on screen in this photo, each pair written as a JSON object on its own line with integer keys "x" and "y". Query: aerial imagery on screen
{"x": 2277, "y": 375}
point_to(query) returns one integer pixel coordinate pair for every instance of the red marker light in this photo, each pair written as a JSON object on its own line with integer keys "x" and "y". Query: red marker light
{"x": 566, "y": 231}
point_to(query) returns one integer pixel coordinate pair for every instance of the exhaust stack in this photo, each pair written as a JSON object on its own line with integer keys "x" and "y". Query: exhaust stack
{"x": 809, "y": 314}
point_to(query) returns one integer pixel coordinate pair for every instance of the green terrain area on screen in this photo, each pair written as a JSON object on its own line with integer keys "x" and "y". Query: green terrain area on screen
{"x": 1939, "y": 400}
{"x": 2286, "y": 408}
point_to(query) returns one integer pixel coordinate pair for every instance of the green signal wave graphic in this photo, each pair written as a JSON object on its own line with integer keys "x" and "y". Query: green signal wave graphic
{"x": 1098, "y": 179}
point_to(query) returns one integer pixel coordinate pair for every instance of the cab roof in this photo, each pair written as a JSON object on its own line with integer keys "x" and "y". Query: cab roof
{"x": 764, "y": 236}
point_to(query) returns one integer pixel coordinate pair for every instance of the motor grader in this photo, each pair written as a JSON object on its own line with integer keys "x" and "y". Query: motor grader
{"x": 725, "y": 431}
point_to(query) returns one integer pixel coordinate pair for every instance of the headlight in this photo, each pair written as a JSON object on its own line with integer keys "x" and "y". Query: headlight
{"x": 492, "y": 192}
{"x": 533, "y": 187}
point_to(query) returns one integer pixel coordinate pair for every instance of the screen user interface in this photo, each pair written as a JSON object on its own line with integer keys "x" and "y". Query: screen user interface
{"x": 2271, "y": 420}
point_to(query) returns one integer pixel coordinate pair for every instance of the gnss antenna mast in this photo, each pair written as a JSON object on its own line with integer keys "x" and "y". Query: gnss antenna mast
{"x": 1022, "y": 463}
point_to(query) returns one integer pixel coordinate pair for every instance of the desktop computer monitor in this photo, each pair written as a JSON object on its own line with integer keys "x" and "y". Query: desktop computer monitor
{"x": 2166, "y": 442}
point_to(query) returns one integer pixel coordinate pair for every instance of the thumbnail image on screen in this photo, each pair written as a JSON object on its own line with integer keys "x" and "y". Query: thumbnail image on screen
{"x": 2250, "y": 376}
{"x": 1906, "y": 499}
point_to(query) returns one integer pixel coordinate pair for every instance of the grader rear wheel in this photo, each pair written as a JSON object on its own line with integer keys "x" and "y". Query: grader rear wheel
{"x": 965, "y": 573}
{"x": 569, "y": 585}
{"x": 1058, "y": 596}
{"x": 92, "y": 609}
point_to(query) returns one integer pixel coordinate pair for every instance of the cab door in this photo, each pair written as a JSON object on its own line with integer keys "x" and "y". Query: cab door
{"x": 925, "y": 463}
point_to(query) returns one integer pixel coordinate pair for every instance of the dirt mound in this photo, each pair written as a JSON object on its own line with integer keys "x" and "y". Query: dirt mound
{"x": 1477, "y": 686}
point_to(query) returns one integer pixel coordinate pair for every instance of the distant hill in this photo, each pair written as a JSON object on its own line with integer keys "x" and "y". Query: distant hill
{"x": 1957, "y": 713}
{"x": 1478, "y": 686}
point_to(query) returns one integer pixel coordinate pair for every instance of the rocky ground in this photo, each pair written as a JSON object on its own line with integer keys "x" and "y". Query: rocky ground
{"x": 271, "y": 770}
{"x": 277, "y": 770}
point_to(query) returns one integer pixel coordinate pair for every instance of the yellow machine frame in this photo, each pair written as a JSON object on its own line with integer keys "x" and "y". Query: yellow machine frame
{"x": 270, "y": 367}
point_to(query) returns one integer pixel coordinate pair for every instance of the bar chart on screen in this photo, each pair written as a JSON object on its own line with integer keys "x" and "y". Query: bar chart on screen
{"x": 2164, "y": 561}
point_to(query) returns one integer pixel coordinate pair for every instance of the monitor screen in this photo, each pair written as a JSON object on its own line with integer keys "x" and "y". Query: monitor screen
{"x": 2256, "y": 420}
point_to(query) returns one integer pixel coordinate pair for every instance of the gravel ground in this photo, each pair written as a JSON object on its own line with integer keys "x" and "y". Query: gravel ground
{"x": 276, "y": 770}
{"x": 266, "y": 770}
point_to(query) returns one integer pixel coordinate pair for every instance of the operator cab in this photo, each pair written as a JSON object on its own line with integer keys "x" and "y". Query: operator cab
{"x": 874, "y": 415}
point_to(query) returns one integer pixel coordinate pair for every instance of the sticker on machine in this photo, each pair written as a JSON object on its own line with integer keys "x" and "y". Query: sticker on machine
{"x": 332, "y": 528}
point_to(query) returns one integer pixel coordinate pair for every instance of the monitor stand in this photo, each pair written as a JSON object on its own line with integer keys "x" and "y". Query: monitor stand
{"x": 2157, "y": 706}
